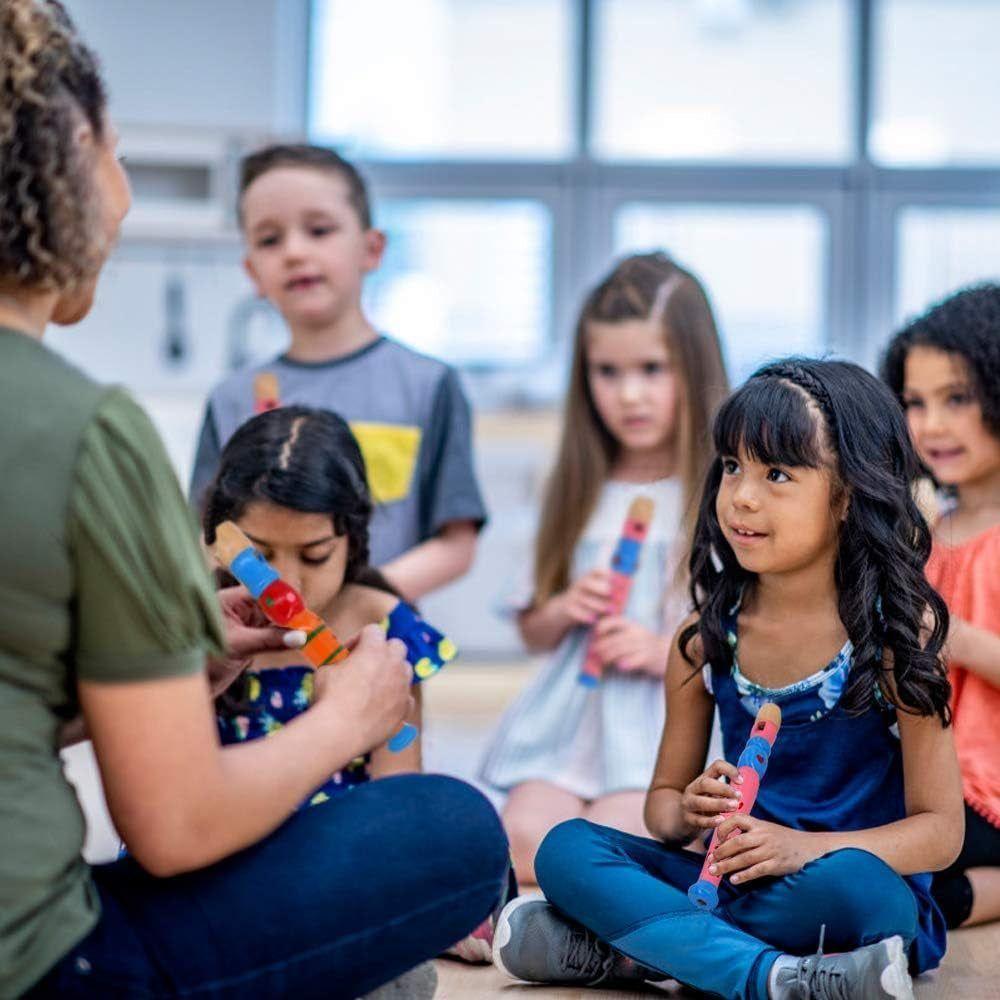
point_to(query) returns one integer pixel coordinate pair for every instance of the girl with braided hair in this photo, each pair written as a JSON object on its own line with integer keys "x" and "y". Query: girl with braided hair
{"x": 646, "y": 377}
{"x": 106, "y": 607}
{"x": 807, "y": 575}
{"x": 293, "y": 479}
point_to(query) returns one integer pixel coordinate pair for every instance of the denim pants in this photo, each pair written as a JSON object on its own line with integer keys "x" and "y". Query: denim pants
{"x": 632, "y": 893}
{"x": 343, "y": 897}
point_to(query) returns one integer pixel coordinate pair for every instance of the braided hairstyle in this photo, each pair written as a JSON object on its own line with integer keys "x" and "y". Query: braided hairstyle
{"x": 833, "y": 414}
{"x": 49, "y": 84}
{"x": 303, "y": 459}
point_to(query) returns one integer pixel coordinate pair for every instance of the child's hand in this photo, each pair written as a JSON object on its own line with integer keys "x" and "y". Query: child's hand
{"x": 586, "y": 599}
{"x": 707, "y": 797}
{"x": 755, "y": 848}
{"x": 628, "y": 646}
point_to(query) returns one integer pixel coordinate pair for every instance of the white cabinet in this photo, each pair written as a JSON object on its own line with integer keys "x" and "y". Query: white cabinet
{"x": 171, "y": 320}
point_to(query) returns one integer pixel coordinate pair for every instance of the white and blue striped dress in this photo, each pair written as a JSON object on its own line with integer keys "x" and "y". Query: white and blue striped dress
{"x": 600, "y": 740}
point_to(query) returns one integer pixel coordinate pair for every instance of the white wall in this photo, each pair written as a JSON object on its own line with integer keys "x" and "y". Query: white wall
{"x": 236, "y": 64}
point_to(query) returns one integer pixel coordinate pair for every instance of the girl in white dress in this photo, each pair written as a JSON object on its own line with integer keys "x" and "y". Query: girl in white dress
{"x": 647, "y": 375}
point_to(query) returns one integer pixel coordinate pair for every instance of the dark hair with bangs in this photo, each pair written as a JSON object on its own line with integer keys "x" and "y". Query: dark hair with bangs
{"x": 804, "y": 412}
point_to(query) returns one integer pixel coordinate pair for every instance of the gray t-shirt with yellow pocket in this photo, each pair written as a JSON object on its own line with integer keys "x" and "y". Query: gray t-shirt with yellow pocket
{"x": 411, "y": 419}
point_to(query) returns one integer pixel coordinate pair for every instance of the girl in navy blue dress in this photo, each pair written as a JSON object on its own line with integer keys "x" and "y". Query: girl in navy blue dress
{"x": 808, "y": 581}
{"x": 293, "y": 479}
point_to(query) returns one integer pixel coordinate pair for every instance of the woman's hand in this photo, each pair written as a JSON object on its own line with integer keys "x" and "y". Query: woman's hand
{"x": 248, "y": 632}
{"x": 370, "y": 690}
{"x": 750, "y": 848}
{"x": 627, "y": 646}
{"x": 586, "y": 599}
{"x": 707, "y": 797}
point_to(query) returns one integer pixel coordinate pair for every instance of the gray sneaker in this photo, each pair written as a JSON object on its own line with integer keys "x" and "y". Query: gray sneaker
{"x": 875, "y": 972}
{"x": 534, "y": 943}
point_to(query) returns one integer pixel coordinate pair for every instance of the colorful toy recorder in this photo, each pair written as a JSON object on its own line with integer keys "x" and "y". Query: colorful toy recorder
{"x": 623, "y": 566}
{"x": 752, "y": 765}
{"x": 265, "y": 392}
{"x": 284, "y": 606}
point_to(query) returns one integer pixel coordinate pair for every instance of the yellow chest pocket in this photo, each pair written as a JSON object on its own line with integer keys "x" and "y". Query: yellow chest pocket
{"x": 390, "y": 453}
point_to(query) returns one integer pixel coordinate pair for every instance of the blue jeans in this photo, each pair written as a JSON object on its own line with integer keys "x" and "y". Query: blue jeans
{"x": 632, "y": 893}
{"x": 345, "y": 896}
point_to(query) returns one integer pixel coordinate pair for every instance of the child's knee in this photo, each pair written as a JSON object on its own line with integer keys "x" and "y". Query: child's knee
{"x": 563, "y": 853}
{"x": 524, "y": 828}
{"x": 866, "y": 897}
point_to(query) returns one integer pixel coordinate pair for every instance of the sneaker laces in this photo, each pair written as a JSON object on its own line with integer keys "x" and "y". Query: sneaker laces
{"x": 588, "y": 955}
{"x": 816, "y": 981}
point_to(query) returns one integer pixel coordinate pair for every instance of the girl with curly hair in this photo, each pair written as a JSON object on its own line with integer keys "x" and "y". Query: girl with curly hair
{"x": 808, "y": 582}
{"x": 106, "y": 607}
{"x": 945, "y": 369}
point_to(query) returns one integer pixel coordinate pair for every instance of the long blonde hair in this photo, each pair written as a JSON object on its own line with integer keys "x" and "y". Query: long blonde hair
{"x": 645, "y": 286}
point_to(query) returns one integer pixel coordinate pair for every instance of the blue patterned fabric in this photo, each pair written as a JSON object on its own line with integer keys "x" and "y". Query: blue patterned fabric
{"x": 276, "y": 695}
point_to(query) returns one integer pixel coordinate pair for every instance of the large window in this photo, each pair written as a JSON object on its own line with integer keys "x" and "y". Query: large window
{"x": 937, "y": 76}
{"x": 463, "y": 277}
{"x": 456, "y": 78}
{"x": 714, "y": 81}
{"x": 939, "y": 249}
{"x": 827, "y": 167}
{"x": 766, "y": 266}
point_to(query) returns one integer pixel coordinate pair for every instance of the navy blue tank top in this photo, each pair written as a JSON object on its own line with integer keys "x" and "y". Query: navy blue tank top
{"x": 828, "y": 771}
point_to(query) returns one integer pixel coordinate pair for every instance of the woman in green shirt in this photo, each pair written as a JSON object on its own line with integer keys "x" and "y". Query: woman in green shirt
{"x": 106, "y": 607}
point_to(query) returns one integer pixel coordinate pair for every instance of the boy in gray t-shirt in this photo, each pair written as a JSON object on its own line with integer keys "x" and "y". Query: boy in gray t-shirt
{"x": 310, "y": 242}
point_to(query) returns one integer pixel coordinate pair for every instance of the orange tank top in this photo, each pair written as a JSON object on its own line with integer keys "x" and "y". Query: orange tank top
{"x": 967, "y": 576}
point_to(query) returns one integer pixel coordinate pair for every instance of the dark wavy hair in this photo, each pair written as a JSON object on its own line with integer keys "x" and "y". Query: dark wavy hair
{"x": 834, "y": 414}
{"x": 966, "y": 323}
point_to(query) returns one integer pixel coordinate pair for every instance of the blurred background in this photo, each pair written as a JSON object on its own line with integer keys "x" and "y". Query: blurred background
{"x": 827, "y": 167}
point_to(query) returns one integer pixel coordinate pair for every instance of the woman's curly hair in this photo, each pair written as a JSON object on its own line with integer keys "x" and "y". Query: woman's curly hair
{"x": 49, "y": 85}
{"x": 966, "y": 323}
{"x": 801, "y": 412}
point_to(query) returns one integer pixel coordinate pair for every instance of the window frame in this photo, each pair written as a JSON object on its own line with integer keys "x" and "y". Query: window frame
{"x": 860, "y": 200}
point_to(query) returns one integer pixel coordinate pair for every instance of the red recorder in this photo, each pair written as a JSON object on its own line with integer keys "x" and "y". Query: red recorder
{"x": 624, "y": 563}
{"x": 752, "y": 765}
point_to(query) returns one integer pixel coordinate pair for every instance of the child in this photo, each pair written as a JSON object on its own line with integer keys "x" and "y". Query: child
{"x": 293, "y": 480}
{"x": 807, "y": 577}
{"x": 945, "y": 368}
{"x": 646, "y": 376}
{"x": 307, "y": 223}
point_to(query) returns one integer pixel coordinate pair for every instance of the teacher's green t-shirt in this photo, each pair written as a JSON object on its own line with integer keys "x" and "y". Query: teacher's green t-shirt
{"x": 101, "y": 579}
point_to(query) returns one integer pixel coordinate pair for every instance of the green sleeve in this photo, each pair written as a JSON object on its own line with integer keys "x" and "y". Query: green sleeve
{"x": 145, "y": 605}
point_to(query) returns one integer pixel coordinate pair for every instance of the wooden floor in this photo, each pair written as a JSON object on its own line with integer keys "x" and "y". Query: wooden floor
{"x": 461, "y": 709}
{"x": 971, "y": 971}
